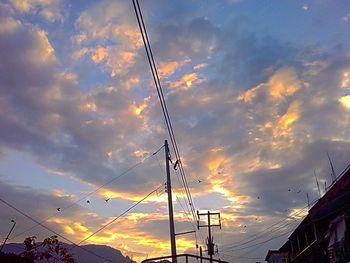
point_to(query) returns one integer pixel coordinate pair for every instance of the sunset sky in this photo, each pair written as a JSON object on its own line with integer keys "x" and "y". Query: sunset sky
{"x": 258, "y": 92}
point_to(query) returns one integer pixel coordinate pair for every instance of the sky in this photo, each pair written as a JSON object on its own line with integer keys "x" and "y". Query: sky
{"x": 258, "y": 92}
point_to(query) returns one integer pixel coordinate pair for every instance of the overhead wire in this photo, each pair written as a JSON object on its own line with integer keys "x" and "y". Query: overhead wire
{"x": 92, "y": 192}
{"x": 149, "y": 53}
{"x": 311, "y": 222}
{"x": 263, "y": 242}
{"x": 51, "y": 230}
{"x": 186, "y": 212}
{"x": 91, "y": 235}
{"x": 271, "y": 229}
{"x": 195, "y": 222}
{"x": 238, "y": 246}
{"x": 120, "y": 215}
{"x": 261, "y": 233}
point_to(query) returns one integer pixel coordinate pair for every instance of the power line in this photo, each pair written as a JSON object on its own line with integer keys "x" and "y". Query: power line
{"x": 263, "y": 233}
{"x": 122, "y": 214}
{"x": 92, "y": 192}
{"x": 49, "y": 229}
{"x": 186, "y": 212}
{"x": 238, "y": 247}
{"x": 158, "y": 86}
{"x": 194, "y": 223}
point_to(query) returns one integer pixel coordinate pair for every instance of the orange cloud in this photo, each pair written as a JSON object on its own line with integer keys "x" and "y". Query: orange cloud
{"x": 46, "y": 51}
{"x": 125, "y": 234}
{"x": 90, "y": 106}
{"x": 250, "y": 95}
{"x": 99, "y": 55}
{"x": 133, "y": 197}
{"x": 283, "y": 83}
{"x": 166, "y": 69}
{"x": 283, "y": 131}
{"x": 186, "y": 81}
{"x": 221, "y": 181}
{"x": 345, "y": 80}
{"x": 120, "y": 62}
{"x": 288, "y": 119}
{"x": 200, "y": 66}
{"x": 128, "y": 35}
{"x": 78, "y": 54}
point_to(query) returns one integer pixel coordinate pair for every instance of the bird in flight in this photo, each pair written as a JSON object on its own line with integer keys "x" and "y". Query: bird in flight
{"x": 107, "y": 200}
{"x": 58, "y": 209}
{"x": 88, "y": 201}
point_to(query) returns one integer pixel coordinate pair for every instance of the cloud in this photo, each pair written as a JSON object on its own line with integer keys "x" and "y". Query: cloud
{"x": 44, "y": 206}
{"x": 99, "y": 55}
{"x": 51, "y": 10}
{"x": 247, "y": 111}
{"x": 345, "y": 101}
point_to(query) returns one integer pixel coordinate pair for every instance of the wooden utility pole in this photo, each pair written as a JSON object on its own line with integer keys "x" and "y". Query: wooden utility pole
{"x": 210, "y": 242}
{"x": 170, "y": 204}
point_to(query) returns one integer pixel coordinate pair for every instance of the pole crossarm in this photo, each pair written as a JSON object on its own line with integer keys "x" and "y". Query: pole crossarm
{"x": 184, "y": 233}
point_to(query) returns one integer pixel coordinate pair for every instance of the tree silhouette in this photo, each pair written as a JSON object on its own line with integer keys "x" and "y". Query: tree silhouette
{"x": 50, "y": 250}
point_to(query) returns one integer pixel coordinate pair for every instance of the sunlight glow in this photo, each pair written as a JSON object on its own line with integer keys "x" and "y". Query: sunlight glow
{"x": 345, "y": 102}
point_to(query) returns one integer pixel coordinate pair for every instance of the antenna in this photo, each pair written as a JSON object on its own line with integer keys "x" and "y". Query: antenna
{"x": 308, "y": 200}
{"x": 334, "y": 178}
{"x": 318, "y": 185}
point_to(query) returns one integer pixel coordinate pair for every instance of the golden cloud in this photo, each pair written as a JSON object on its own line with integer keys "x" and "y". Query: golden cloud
{"x": 167, "y": 69}
{"x": 345, "y": 102}
{"x": 133, "y": 197}
{"x": 283, "y": 131}
{"x": 221, "y": 181}
{"x": 284, "y": 83}
{"x": 47, "y": 53}
{"x": 120, "y": 62}
{"x": 250, "y": 95}
{"x": 288, "y": 119}
{"x": 124, "y": 234}
{"x": 345, "y": 80}
{"x": 90, "y": 106}
{"x": 99, "y": 55}
{"x": 187, "y": 81}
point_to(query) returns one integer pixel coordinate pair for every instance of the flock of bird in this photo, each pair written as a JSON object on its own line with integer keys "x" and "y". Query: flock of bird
{"x": 87, "y": 201}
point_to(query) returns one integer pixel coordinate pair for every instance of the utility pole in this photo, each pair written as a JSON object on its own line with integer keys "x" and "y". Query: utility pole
{"x": 210, "y": 242}
{"x": 13, "y": 226}
{"x": 170, "y": 203}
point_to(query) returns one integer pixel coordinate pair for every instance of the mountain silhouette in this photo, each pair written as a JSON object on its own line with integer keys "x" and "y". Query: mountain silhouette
{"x": 106, "y": 253}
